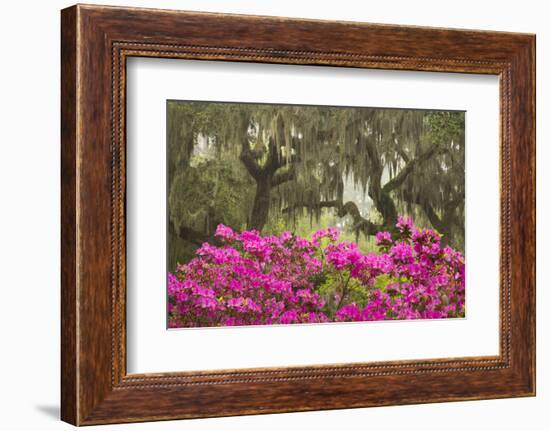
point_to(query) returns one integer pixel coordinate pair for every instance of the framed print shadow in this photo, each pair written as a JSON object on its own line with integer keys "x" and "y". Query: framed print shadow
{"x": 321, "y": 214}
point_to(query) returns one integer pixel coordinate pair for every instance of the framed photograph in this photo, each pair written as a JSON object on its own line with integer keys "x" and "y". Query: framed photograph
{"x": 265, "y": 214}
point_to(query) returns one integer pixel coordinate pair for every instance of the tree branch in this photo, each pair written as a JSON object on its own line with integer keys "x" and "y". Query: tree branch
{"x": 435, "y": 220}
{"x": 191, "y": 235}
{"x": 274, "y": 159}
{"x": 409, "y": 167}
{"x": 380, "y": 197}
{"x": 360, "y": 223}
{"x": 349, "y": 208}
{"x": 430, "y": 212}
{"x": 250, "y": 161}
{"x": 282, "y": 177}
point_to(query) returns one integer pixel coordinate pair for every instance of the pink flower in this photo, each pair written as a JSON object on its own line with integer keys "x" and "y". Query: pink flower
{"x": 331, "y": 233}
{"x": 404, "y": 224}
{"x": 402, "y": 252}
{"x": 261, "y": 280}
{"x": 383, "y": 238}
{"x": 225, "y": 232}
{"x": 348, "y": 313}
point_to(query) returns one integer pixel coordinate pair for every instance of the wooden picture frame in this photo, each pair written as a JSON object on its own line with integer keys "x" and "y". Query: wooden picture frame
{"x": 96, "y": 41}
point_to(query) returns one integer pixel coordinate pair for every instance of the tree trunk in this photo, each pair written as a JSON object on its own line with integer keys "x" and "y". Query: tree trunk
{"x": 383, "y": 203}
{"x": 262, "y": 200}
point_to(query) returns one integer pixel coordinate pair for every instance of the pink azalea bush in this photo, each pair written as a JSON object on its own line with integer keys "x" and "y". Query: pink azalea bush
{"x": 256, "y": 280}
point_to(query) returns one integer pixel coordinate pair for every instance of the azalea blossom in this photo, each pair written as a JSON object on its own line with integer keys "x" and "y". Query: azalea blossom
{"x": 252, "y": 279}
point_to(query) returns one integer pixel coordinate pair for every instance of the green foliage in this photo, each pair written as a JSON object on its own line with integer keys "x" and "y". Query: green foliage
{"x": 210, "y": 193}
{"x": 205, "y": 194}
{"x": 333, "y": 285}
{"x": 305, "y": 224}
{"x": 358, "y": 293}
{"x": 329, "y": 286}
{"x": 382, "y": 281}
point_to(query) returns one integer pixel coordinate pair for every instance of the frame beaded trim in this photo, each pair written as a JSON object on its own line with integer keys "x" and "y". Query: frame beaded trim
{"x": 123, "y": 49}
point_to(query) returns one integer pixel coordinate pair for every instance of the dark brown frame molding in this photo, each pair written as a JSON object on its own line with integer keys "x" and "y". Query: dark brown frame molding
{"x": 95, "y": 43}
